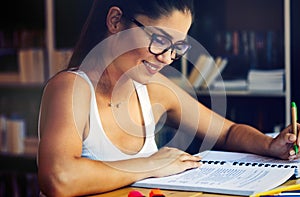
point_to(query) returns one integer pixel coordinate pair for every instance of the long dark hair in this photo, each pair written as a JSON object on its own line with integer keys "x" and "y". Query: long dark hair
{"x": 94, "y": 30}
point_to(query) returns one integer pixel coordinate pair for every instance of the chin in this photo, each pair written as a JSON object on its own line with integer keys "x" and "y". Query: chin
{"x": 140, "y": 75}
{"x": 142, "y": 80}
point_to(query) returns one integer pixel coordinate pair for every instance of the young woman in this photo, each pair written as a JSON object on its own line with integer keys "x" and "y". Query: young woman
{"x": 98, "y": 118}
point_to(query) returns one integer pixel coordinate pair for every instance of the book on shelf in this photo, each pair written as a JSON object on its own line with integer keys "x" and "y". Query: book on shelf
{"x": 205, "y": 71}
{"x": 31, "y": 65}
{"x": 266, "y": 80}
{"x": 196, "y": 71}
{"x": 215, "y": 72}
{"x": 228, "y": 173}
{"x": 234, "y": 84}
{"x": 61, "y": 59}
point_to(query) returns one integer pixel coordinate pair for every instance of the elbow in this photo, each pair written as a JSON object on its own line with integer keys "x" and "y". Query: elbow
{"x": 54, "y": 184}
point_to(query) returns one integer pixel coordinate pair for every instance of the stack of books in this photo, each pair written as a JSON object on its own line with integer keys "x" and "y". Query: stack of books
{"x": 234, "y": 84}
{"x": 266, "y": 80}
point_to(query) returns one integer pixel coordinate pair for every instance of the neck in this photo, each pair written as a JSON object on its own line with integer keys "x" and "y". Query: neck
{"x": 115, "y": 86}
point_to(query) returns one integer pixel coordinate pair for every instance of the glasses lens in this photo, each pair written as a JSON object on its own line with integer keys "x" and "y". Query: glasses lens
{"x": 159, "y": 44}
{"x": 181, "y": 47}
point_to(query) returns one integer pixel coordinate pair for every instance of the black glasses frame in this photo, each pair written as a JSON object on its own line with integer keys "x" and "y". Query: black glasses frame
{"x": 154, "y": 37}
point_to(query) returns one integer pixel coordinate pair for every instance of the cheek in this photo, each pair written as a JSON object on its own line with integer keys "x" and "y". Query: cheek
{"x": 131, "y": 40}
{"x": 134, "y": 67}
{"x": 139, "y": 53}
{"x": 134, "y": 58}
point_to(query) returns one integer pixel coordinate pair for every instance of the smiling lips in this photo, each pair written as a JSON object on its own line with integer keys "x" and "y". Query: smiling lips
{"x": 152, "y": 69}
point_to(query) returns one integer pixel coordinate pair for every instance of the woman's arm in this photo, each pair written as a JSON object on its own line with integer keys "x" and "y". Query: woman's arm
{"x": 61, "y": 169}
{"x": 215, "y": 130}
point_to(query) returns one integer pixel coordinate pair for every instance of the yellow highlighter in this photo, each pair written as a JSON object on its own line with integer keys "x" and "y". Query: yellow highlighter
{"x": 294, "y": 124}
{"x": 277, "y": 190}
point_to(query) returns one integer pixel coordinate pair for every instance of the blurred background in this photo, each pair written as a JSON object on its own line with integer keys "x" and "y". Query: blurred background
{"x": 258, "y": 39}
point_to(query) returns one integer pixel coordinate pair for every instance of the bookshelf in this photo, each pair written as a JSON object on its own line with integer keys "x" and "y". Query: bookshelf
{"x": 39, "y": 18}
{"x": 22, "y": 28}
{"x": 229, "y": 16}
{"x": 215, "y": 28}
{"x": 295, "y": 47}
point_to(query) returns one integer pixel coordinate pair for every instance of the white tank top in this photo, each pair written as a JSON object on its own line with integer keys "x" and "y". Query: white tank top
{"x": 97, "y": 145}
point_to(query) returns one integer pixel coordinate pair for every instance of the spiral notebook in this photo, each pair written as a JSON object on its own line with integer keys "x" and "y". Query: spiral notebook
{"x": 228, "y": 173}
{"x": 248, "y": 159}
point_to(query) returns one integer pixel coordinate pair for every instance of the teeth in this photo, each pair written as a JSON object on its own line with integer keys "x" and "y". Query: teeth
{"x": 151, "y": 67}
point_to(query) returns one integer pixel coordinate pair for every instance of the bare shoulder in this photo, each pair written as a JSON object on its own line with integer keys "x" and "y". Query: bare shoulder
{"x": 66, "y": 80}
{"x": 66, "y": 90}
{"x": 66, "y": 97}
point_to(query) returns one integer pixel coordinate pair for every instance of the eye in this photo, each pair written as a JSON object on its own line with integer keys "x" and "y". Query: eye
{"x": 161, "y": 40}
{"x": 181, "y": 46}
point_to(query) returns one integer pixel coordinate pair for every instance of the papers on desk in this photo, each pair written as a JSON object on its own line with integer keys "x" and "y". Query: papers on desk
{"x": 228, "y": 173}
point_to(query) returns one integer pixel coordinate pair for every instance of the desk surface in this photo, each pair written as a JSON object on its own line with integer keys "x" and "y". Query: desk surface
{"x": 168, "y": 193}
{"x": 28, "y": 164}
{"x": 123, "y": 192}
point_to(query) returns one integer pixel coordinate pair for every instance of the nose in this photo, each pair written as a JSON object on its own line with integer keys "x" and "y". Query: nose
{"x": 165, "y": 57}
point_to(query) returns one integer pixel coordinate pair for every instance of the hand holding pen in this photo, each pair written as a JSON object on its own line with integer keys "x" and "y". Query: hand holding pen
{"x": 286, "y": 144}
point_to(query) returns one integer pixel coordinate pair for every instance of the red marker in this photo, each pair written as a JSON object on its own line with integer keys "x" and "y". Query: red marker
{"x": 135, "y": 193}
{"x": 156, "y": 193}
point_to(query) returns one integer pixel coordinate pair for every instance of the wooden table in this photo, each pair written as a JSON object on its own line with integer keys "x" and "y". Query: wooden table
{"x": 123, "y": 192}
{"x": 24, "y": 164}
{"x": 168, "y": 193}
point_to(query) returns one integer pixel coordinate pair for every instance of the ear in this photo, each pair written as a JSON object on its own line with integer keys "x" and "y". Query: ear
{"x": 113, "y": 19}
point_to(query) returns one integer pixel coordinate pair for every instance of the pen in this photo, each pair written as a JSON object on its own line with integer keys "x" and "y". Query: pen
{"x": 294, "y": 124}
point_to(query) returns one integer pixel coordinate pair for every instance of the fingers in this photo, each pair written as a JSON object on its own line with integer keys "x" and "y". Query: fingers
{"x": 182, "y": 156}
{"x": 192, "y": 164}
{"x": 289, "y": 130}
{"x": 290, "y": 138}
{"x": 293, "y": 156}
{"x": 283, "y": 144}
{"x": 295, "y": 137}
{"x": 189, "y": 161}
{"x": 298, "y": 137}
{"x": 188, "y": 157}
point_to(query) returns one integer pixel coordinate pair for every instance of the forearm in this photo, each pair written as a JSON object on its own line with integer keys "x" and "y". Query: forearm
{"x": 245, "y": 138}
{"x": 83, "y": 176}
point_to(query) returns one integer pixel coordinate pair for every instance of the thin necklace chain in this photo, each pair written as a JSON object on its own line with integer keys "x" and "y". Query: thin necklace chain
{"x": 110, "y": 104}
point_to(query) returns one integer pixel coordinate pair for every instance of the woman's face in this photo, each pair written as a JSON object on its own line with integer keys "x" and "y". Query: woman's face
{"x": 138, "y": 62}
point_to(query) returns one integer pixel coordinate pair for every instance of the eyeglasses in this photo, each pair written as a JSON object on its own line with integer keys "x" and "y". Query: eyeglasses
{"x": 160, "y": 44}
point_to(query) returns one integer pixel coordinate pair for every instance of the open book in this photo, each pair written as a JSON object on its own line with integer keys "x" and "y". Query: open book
{"x": 228, "y": 173}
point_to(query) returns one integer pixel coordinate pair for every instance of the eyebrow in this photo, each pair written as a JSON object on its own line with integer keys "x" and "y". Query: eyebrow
{"x": 165, "y": 33}
{"x": 145, "y": 27}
